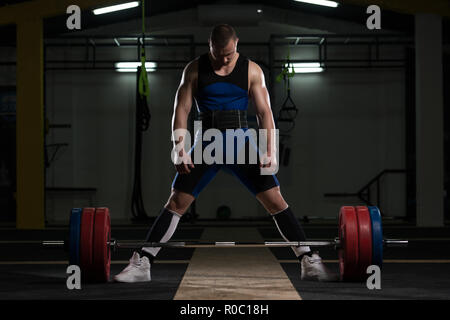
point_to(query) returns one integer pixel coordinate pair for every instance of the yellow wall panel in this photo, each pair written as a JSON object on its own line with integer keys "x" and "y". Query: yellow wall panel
{"x": 30, "y": 125}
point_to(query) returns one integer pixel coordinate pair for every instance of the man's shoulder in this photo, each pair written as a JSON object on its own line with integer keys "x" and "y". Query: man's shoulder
{"x": 191, "y": 69}
{"x": 192, "y": 65}
{"x": 254, "y": 70}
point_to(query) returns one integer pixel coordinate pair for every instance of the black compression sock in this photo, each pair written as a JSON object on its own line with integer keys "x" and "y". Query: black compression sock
{"x": 288, "y": 225}
{"x": 300, "y": 257}
{"x": 150, "y": 257}
{"x": 161, "y": 231}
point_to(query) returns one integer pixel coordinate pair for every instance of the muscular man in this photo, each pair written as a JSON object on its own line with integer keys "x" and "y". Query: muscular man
{"x": 220, "y": 84}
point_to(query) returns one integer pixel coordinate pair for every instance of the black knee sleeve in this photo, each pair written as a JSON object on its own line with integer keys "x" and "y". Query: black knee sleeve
{"x": 291, "y": 230}
{"x": 162, "y": 230}
{"x": 289, "y": 226}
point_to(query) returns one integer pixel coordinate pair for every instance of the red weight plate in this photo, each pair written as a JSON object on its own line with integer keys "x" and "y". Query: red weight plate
{"x": 102, "y": 252}
{"x": 365, "y": 240}
{"x": 348, "y": 235}
{"x": 86, "y": 236}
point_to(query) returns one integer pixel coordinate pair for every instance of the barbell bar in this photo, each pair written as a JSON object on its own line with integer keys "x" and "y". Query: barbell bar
{"x": 114, "y": 244}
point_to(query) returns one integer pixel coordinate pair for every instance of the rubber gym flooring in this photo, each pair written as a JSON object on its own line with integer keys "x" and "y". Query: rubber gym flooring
{"x": 420, "y": 271}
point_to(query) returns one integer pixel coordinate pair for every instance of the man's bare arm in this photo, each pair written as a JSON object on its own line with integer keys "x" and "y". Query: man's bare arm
{"x": 183, "y": 98}
{"x": 261, "y": 101}
{"x": 182, "y": 106}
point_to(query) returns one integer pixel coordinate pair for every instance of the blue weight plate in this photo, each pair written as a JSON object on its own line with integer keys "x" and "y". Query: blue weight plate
{"x": 74, "y": 240}
{"x": 377, "y": 236}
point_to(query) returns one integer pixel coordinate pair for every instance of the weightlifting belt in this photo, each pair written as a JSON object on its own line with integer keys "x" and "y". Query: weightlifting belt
{"x": 223, "y": 119}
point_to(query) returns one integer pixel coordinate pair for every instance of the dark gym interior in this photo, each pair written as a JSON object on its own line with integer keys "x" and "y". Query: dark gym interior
{"x": 358, "y": 92}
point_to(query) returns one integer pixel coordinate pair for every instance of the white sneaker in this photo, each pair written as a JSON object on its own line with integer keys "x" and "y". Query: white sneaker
{"x": 314, "y": 269}
{"x": 137, "y": 271}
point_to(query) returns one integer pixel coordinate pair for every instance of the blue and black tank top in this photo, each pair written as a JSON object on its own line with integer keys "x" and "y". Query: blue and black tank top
{"x": 215, "y": 92}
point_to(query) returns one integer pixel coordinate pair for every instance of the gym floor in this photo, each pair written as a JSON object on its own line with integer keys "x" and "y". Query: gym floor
{"x": 419, "y": 271}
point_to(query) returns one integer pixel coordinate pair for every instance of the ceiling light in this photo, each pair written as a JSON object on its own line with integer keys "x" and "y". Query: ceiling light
{"x": 118, "y": 7}
{"x": 310, "y": 67}
{"x": 134, "y": 65}
{"x": 134, "y": 70}
{"x": 321, "y": 2}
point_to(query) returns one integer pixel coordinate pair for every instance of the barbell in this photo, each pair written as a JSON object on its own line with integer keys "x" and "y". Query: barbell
{"x": 360, "y": 243}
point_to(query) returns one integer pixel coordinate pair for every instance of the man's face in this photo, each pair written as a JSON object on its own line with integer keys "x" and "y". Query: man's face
{"x": 224, "y": 55}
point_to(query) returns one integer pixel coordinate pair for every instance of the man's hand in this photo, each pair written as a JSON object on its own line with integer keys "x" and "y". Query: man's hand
{"x": 185, "y": 162}
{"x": 268, "y": 163}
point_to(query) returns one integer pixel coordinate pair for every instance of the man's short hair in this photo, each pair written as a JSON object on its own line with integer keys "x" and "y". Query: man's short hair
{"x": 221, "y": 34}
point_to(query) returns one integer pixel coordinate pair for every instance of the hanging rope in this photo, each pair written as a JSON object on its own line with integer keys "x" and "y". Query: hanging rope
{"x": 288, "y": 111}
{"x": 143, "y": 80}
{"x": 143, "y": 117}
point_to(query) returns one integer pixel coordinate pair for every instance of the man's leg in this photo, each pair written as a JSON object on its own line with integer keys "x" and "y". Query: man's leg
{"x": 311, "y": 264}
{"x": 266, "y": 189}
{"x": 288, "y": 226}
{"x": 161, "y": 231}
{"x": 166, "y": 223}
{"x": 185, "y": 188}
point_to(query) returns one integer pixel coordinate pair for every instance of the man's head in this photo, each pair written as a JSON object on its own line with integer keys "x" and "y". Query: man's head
{"x": 223, "y": 43}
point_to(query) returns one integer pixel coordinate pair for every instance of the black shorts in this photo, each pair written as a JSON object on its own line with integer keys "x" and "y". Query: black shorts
{"x": 249, "y": 174}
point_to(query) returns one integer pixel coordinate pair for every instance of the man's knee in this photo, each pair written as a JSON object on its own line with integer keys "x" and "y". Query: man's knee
{"x": 272, "y": 200}
{"x": 179, "y": 202}
{"x": 277, "y": 207}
